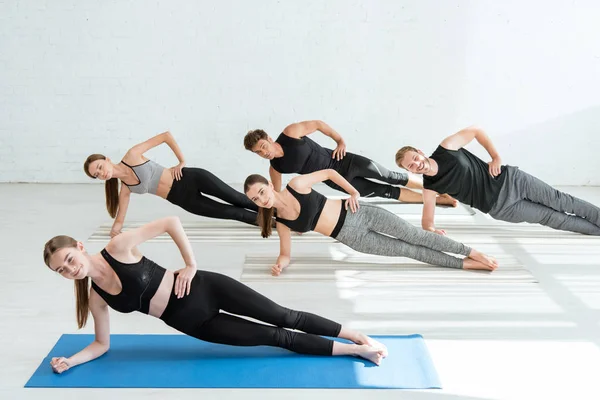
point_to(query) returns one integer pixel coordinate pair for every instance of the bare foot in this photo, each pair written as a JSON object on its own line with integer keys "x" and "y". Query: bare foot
{"x": 370, "y": 353}
{"x": 364, "y": 339}
{"x": 446, "y": 200}
{"x": 469, "y": 263}
{"x": 483, "y": 258}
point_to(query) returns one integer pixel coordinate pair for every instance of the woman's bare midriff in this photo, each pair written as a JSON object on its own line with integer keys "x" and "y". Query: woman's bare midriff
{"x": 159, "y": 301}
{"x": 329, "y": 217}
{"x": 165, "y": 183}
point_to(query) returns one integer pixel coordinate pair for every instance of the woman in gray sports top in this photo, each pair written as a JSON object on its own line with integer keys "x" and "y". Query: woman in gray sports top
{"x": 185, "y": 187}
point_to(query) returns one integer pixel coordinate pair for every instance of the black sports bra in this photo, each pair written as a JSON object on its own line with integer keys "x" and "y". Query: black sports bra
{"x": 311, "y": 206}
{"x": 140, "y": 281}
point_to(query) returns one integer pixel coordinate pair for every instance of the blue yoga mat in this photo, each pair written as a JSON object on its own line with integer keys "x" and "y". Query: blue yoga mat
{"x": 179, "y": 361}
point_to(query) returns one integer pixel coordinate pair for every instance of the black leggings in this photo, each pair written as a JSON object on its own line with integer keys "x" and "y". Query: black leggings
{"x": 198, "y": 315}
{"x": 189, "y": 194}
{"x": 360, "y": 168}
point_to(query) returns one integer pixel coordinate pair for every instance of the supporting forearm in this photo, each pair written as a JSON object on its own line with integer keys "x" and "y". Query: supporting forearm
{"x": 91, "y": 352}
{"x": 427, "y": 219}
{"x": 285, "y": 241}
{"x": 123, "y": 205}
{"x": 428, "y": 225}
{"x": 275, "y": 179}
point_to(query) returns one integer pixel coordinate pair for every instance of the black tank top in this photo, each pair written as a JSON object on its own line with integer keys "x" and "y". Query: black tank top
{"x": 303, "y": 156}
{"x": 465, "y": 177}
{"x": 140, "y": 281}
{"x": 311, "y": 206}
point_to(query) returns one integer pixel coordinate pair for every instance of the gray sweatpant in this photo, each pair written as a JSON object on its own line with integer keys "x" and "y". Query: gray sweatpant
{"x": 374, "y": 230}
{"x": 525, "y": 198}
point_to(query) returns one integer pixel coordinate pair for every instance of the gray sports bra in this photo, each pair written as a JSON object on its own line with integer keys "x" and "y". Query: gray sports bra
{"x": 148, "y": 175}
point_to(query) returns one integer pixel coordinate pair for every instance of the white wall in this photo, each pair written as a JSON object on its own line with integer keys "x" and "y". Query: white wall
{"x": 99, "y": 76}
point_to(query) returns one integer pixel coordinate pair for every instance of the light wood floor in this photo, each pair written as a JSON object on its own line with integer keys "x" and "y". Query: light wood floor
{"x": 488, "y": 341}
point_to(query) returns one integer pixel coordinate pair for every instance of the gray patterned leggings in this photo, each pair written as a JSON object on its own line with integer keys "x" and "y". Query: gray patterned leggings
{"x": 374, "y": 230}
{"x": 525, "y": 198}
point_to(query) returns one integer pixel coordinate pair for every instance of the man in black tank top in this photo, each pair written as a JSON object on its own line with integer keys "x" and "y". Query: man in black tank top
{"x": 294, "y": 152}
{"x": 503, "y": 191}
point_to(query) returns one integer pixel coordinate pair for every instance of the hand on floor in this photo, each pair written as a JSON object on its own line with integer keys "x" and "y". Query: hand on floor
{"x": 282, "y": 263}
{"x": 59, "y": 364}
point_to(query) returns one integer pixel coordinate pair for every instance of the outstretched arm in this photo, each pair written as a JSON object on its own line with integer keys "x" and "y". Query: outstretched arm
{"x": 465, "y": 136}
{"x": 275, "y": 179}
{"x": 124, "y": 197}
{"x": 427, "y": 220}
{"x": 101, "y": 342}
{"x": 126, "y": 244}
{"x": 301, "y": 129}
{"x": 285, "y": 249}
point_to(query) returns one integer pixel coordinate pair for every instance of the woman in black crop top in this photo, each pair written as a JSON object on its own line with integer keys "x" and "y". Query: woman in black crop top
{"x": 367, "y": 228}
{"x": 294, "y": 152}
{"x": 188, "y": 300}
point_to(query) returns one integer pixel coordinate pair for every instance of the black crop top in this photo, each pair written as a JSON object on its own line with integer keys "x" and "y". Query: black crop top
{"x": 465, "y": 177}
{"x": 140, "y": 281}
{"x": 311, "y": 206}
{"x": 303, "y": 156}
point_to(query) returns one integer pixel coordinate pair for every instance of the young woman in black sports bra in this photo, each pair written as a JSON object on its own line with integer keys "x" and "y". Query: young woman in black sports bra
{"x": 183, "y": 186}
{"x": 188, "y": 300}
{"x": 295, "y": 152}
{"x": 367, "y": 228}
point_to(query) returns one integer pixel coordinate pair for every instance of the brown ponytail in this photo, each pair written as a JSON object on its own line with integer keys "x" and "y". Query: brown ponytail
{"x": 82, "y": 286}
{"x": 265, "y": 221}
{"x": 111, "y": 186}
{"x": 265, "y": 215}
{"x": 111, "y": 189}
{"x": 82, "y": 300}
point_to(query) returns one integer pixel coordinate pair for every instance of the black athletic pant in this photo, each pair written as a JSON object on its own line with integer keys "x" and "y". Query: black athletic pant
{"x": 189, "y": 194}
{"x": 198, "y": 315}
{"x": 358, "y": 168}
